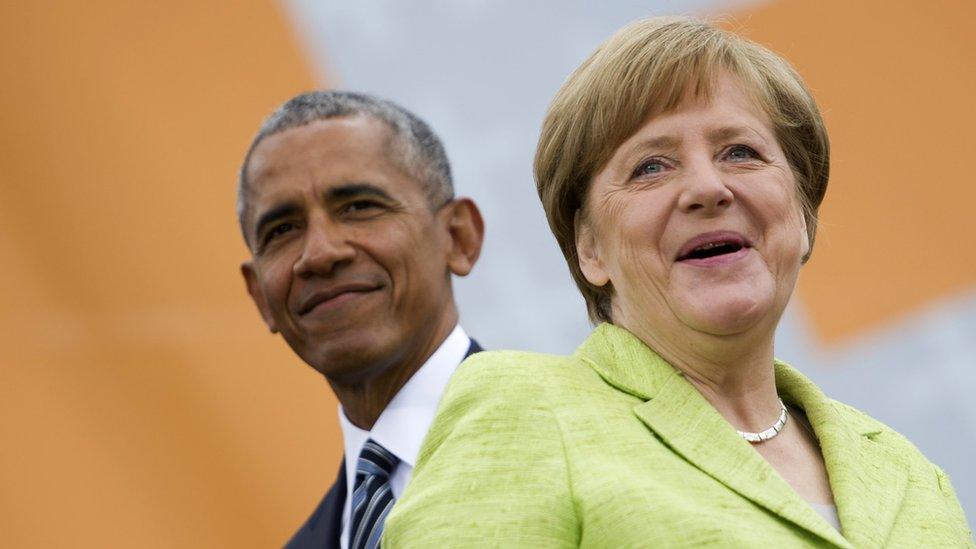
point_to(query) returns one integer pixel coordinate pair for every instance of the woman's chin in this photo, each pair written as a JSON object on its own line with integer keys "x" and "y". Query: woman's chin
{"x": 725, "y": 315}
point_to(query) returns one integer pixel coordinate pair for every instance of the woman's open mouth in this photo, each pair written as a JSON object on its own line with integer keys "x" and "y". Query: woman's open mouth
{"x": 714, "y": 248}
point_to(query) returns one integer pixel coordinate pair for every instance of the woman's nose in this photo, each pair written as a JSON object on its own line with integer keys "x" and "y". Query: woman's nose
{"x": 704, "y": 190}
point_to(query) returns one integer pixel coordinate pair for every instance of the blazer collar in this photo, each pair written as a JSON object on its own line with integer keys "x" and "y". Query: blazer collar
{"x": 867, "y": 477}
{"x": 860, "y": 470}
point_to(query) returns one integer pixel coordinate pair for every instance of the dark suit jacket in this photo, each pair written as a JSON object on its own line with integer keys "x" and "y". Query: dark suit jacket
{"x": 323, "y": 528}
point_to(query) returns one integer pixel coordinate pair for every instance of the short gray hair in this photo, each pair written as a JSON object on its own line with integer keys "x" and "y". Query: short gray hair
{"x": 418, "y": 150}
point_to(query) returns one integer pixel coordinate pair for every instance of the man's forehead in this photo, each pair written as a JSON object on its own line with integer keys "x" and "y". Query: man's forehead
{"x": 335, "y": 184}
{"x": 330, "y": 140}
{"x": 279, "y": 191}
{"x": 334, "y": 149}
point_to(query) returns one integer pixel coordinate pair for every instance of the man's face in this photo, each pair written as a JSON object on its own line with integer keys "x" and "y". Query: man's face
{"x": 350, "y": 260}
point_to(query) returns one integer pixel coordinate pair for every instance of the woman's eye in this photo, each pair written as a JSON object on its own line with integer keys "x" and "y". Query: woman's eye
{"x": 742, "y": 152}
{"x": 649, "y": 167}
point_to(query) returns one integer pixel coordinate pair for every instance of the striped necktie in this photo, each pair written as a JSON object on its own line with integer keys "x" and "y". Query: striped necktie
{"x": 372, "y": 498}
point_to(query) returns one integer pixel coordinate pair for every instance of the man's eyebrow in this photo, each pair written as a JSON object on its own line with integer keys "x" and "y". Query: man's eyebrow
{"x": 340, "y": 192}
{"x": 282, "y": 210}
{"x": 354, "y": 190}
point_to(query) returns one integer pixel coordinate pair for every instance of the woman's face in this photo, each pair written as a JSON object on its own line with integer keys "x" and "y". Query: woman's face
{"x": 695, "y": 221}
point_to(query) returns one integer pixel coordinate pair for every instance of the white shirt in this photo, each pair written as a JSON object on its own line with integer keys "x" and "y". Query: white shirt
{"x": 405, "y": 420}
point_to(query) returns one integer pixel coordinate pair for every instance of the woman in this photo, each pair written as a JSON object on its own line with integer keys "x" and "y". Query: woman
{"x": 681, "y": 169}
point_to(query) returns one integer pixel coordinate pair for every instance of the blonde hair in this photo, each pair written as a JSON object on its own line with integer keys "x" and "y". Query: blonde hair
{"x": 643, "y": 70}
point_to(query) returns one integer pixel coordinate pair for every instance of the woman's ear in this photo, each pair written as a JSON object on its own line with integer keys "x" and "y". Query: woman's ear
{"x": 467, "y": 232}
{"x": 588, "y": 252}
{"x": 805, "y": 242}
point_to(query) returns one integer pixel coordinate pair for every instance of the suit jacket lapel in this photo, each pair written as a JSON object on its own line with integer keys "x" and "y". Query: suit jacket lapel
{"x": 690, "y": 426}
{"x": 335, "y": 501}
{"x": 473, "y": 348}
{"x": 867, "y": 479}
{"x": 324, "y": 526}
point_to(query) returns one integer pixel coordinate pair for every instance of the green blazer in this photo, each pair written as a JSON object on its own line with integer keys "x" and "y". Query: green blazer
{"x": 613, "y": 447}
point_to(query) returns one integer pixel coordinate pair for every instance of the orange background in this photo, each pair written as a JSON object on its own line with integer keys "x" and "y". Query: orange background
{"x": 896, "y": 83}
{"x": 143, "y": 401}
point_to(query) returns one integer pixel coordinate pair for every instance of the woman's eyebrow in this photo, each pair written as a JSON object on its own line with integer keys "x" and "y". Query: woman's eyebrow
{"x": 726, "y": 133}
{"x": 659, "y": 142}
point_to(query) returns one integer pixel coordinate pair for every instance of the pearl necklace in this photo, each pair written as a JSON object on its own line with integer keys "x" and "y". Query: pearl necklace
{"x": 763, "y": 436}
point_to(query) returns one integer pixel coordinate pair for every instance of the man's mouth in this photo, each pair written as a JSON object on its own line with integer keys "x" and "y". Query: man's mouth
{"x": 711, "y": 245}
{"x": 333, "y": 294}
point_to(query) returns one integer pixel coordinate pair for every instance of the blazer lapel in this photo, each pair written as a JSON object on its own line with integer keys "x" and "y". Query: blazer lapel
{"x": 867, "y": 479}
{"x": 690, "y": 426}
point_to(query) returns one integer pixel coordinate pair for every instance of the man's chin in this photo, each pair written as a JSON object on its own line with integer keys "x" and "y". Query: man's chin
{"x": 352, "y": 360}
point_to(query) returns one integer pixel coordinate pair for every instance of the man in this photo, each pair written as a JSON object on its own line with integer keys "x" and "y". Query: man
{"x": 347, "y": 206}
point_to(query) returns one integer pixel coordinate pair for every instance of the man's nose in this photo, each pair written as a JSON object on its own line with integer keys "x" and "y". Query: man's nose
{"x": 704, "y": 190}
{"x": 324, "y": 247}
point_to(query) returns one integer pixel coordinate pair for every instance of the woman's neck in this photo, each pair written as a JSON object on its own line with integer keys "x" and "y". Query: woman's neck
{"x": 734, "y": 373}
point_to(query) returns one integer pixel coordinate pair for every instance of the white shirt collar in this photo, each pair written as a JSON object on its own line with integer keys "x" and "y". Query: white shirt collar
{"x": 404, "y": 423}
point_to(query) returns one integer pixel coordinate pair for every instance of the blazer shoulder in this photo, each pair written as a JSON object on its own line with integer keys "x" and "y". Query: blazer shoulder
{"x": 492, "y": 469}
{"x": 876, "y": 430}
{"x": 859, "y": 419}
{"x": 519, "y": 365}
{"x": 514, "y": 388}
{"x": 523, "y": 376}
{"x": 925, "y": 477}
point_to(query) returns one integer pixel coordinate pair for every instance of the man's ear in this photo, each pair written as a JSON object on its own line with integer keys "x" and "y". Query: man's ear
{"x": 588, "y": 253}
{"x": 467, "y": 231}
{"x": 254, "y": 288}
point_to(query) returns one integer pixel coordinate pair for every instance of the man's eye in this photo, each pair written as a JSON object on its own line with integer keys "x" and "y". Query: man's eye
{"x": 362, "y": 207}
{"x": 649, "y": 167}
{"x": 742, "y": 152}
{"x": 278, "y": 230}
